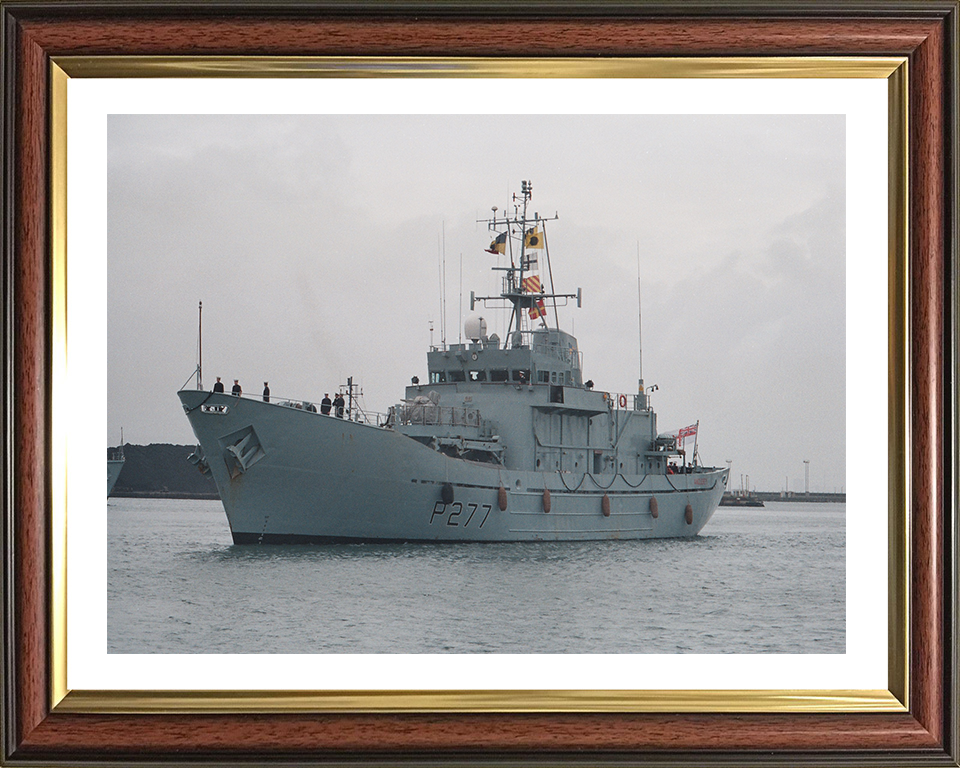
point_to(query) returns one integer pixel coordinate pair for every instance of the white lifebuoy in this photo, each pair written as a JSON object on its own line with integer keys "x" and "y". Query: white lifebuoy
{"x": 623, "y": 401}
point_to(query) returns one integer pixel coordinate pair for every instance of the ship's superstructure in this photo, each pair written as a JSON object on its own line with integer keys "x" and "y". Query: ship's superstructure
{"x": 503, "y": 441}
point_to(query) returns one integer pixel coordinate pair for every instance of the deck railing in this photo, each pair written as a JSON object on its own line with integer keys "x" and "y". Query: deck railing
{"x": 625, "y": 401}
{"x": 356, "y": 413}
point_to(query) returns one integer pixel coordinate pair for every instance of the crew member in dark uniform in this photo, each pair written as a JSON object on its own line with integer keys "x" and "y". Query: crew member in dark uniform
{"x": 325, "y": 404}
{"x": 266, "y": 392}
{"x": 236, "y": 391}
{"x": 338, "y": 405}
{"x": 218, "y": 387}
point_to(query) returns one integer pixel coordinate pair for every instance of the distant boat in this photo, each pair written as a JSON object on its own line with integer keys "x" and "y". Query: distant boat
{"x": 115, "y": 459}
{"x": 744, "y": 499}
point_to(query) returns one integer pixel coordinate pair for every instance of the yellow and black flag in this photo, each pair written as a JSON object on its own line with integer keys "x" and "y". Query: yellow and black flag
{"x": 533, "y": 239}
{"x": 499, "y": 244}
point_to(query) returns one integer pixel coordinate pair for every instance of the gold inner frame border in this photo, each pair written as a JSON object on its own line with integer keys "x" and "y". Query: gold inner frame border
{"x": 895, "y": 699}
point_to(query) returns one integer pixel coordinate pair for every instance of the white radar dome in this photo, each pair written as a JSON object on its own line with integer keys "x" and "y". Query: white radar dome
{"x": 475, "y": 328}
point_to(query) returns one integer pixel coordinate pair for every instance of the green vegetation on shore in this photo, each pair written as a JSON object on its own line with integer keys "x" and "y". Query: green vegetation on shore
{"x": 161, "y": 471}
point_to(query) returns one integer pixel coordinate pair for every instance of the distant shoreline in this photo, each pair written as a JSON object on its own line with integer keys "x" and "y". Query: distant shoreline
{"x": 809, "y": 497}
{"x": 815, "y": 498}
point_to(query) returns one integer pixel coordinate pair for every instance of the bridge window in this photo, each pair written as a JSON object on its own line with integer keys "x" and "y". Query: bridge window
{"x": 437, "y": 377}
{"x": 498, "y": 374}
{"x": 543, "y": 377}
{"x": 522, "y": 376}
{"x": 478, "y": 375}
{"x": 456, "y": 376}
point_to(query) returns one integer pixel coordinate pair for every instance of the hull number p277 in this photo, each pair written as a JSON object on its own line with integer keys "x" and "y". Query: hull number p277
{"x": 459, "y": 514}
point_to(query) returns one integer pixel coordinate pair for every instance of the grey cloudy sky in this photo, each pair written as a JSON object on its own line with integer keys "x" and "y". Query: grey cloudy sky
{"x": 313, "y": 243}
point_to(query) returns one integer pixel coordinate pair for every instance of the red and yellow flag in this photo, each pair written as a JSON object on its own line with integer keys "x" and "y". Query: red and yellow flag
{"x": 531, "y": 284}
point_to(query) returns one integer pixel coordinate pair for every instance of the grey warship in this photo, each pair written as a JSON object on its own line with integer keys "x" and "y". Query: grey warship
{"x": 504, "y": 441}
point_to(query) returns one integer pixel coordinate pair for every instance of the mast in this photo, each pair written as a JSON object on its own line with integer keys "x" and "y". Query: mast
{"x": 513, "y": 289}
{"x": 639, "y": 320}
{"x": 443, "y": 255}
{"x": 200, "y": 347}
{"x": 460, "y": 308}
{"x": 696, "y": 435}
{"x": 641, "y": 390}
{"x": 441, "y": 275}
{"x": 546, "y": 255}
{"x": 526, "y": 190}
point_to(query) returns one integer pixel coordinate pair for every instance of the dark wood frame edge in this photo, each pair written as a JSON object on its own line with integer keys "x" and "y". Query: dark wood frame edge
{"x": 473, "y": 9}
{"x": 928, "y": 734}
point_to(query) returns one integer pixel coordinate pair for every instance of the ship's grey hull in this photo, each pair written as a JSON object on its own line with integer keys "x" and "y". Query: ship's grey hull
{"x": 287, "y": 475}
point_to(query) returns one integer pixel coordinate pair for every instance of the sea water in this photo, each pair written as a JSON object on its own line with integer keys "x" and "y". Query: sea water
{"x": 756, "y": 580}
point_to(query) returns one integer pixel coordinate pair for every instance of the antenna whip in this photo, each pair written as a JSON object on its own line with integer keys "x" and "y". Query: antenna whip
{"x": 200, "y": 347}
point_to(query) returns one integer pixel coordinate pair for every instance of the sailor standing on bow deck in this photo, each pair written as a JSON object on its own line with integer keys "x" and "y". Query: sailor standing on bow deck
{"x": 236, "y": 391}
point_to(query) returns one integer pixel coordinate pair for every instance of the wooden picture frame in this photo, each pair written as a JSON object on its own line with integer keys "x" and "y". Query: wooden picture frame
{"x": 40, "y": 728}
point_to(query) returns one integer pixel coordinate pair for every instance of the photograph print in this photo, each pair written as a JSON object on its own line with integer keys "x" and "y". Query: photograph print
{"x": 495, "y": 384}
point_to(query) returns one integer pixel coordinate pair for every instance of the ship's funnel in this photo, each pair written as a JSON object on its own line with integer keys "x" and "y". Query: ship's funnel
{"x": 475, "y": 328}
